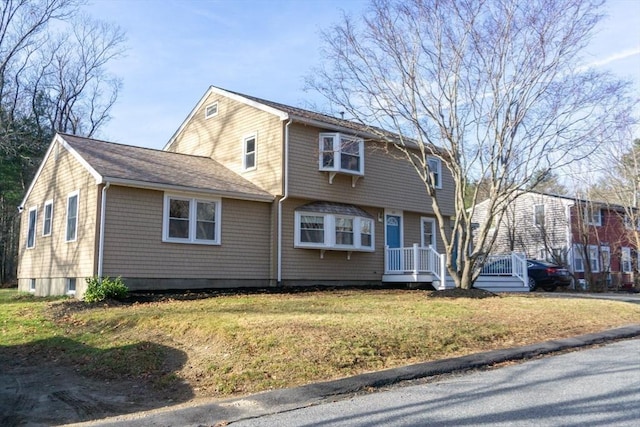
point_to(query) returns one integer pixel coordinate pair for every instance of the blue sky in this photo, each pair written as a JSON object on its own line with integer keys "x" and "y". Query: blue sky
{"x": 178, "y": 48}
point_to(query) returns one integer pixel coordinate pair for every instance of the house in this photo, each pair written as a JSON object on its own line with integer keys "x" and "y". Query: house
{"x": 594, "y": 240}
{"x": 247, "y": 193}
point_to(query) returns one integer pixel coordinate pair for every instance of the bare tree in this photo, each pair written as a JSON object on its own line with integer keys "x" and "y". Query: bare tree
{"x": 80, "y": 91}
{"x": 53, "y": 76}
{"x": 619, "y": 185}
{"x": 493, "y": 88}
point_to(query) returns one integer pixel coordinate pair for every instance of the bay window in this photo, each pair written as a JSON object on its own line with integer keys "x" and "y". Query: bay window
{"x": 323, "y": 230}
{"x": 341, "y": 153}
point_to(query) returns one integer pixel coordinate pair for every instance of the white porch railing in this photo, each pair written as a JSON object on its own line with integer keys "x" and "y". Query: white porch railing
{"x": 513, "y": 264}
{"x": 498, "y": 271}
{"x": 414, "y": 260}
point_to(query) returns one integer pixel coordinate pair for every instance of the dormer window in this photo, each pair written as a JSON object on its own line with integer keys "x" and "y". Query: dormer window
{"x": 341, "y": 153}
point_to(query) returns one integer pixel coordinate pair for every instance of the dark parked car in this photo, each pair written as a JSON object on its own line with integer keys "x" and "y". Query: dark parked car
{"x": 542, "y": 274}
{"x": 545, "y": 275}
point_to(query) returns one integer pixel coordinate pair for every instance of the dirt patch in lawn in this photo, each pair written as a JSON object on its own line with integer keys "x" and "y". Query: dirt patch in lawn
{"x": 42, "y": 388}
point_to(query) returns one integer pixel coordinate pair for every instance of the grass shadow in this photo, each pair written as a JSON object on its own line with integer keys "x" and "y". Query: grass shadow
{"x": 60, "y": 380}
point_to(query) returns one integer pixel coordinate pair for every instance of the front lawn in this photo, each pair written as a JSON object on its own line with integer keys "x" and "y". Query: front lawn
{"x": 244, "y": 343}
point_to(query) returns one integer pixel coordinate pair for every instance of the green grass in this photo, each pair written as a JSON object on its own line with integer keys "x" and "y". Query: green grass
{"x": 247, "y": 343}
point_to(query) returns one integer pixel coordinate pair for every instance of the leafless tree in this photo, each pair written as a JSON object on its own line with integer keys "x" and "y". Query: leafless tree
{"x": 493, "y": 88}
{"x": 53, "y": 76}
{"x": 80, "y": 91}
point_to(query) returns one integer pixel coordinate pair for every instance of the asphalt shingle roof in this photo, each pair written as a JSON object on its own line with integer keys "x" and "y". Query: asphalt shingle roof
{"x": 161, "y": 168}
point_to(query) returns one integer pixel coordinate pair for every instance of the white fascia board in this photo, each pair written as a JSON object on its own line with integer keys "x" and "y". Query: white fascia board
{"x": 82, "y": 161}
{"x": 60, "y": 140}
{"x": 181, "y": 189}
{"x": 216, "y": 90}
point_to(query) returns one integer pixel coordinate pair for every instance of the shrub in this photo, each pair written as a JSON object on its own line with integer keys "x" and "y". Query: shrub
{"x": 101, "y": 289}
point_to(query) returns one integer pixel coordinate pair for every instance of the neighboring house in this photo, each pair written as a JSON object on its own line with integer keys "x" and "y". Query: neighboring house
{"x": 246, "y": 193}
{"x": 593, "y": 239}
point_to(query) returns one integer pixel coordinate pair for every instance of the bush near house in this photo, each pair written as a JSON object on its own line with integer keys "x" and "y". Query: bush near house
{"x": 105, "y": 288}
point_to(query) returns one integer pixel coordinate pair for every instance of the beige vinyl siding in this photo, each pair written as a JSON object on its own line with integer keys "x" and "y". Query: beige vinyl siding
{"x": 389, "y": 180}
{"x": 53, "y": 259}
{"x": 221, "y": 138}
{"x": 134, "y": 246}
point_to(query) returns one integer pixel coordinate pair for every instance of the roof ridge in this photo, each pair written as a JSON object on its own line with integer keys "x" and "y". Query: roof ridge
{"x": 103, "y": 141}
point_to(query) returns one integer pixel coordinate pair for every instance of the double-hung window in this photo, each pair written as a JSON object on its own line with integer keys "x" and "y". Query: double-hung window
{"x": 191, "y": 220}
{"x": 341, "y": 153}
{"x": 594, "y": 259}
{"x": 333, "y": 231}
{"x": 626, "y": 260}
{"x": 249, "y": 149}
{"x": 72, "y": 217}
{"x": 31, "y": 230}
{"x": 593, "y": 216}
{"x": 48, "y": 218}
{"x": 629, "y": 222}
{"x": 578, "y": 259}
{"x": 428, "y": 232}
{"x": 605, "y": 258}
{"x": 435, "y": 171}
{"x": 538, "y": 215}
{"x": 311, "y": 229}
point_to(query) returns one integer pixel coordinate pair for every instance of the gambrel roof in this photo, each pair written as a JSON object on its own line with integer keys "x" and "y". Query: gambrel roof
{"x": 155, "y": 169}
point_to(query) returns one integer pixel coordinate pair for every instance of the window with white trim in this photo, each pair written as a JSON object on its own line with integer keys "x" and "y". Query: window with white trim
{"x": 31, "y": 227}
{"x": 605, "y": 258}
{"x": 71, "y": 286}
{"x": 341, "y": 153}
{"x": 191, "y": 220}
{"x": 32, "y": 285}
{"x": 71, "y": 232}
{"x": 428, "y": 232}
{"x": 578, "y": 259}
{"x": 211, "y": 110}
{"x": 333, "y": 231}
{"x": 593, "y": 216}
{"x": 625, "y": 261}
{"x": 594, "y": 258}
{"x": 249, "y": 149}
{"x": 628, "y": 222}
{"x": 47, "y": 218}
{"x": 538, "y": 215}
{"x": 435, "y": 171}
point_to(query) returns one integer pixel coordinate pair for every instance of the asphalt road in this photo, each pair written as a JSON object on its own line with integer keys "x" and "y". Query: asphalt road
{"x": 594, "y": 387}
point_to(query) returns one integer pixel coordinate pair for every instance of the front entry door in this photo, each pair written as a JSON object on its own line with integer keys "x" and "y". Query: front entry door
{"x": 393, "y": 240}
{"x": 394, "y": 222}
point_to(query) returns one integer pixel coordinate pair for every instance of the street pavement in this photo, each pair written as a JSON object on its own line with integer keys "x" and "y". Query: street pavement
{"x": 595, "y": 387}
{"x": 319, "y": 395}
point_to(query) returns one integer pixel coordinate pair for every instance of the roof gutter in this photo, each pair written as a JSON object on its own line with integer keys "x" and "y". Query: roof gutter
{"x": 194, "y": 190}
{"x": 103, "y": 209}
{"x": 281, "y": 201}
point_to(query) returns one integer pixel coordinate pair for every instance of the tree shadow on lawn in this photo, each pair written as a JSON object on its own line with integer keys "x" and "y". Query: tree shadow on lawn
{"x": 59, "y": 381}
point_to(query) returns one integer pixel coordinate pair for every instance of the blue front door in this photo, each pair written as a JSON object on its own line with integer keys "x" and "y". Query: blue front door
{"x": 394, "y": 223}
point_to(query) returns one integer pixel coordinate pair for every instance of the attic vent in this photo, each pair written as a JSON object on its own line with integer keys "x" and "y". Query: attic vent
{"x": 211, "y": 110}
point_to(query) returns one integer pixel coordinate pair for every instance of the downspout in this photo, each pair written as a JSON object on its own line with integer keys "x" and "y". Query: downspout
{"x": 281, "y": 202}
{"x": 103, "y": 209}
